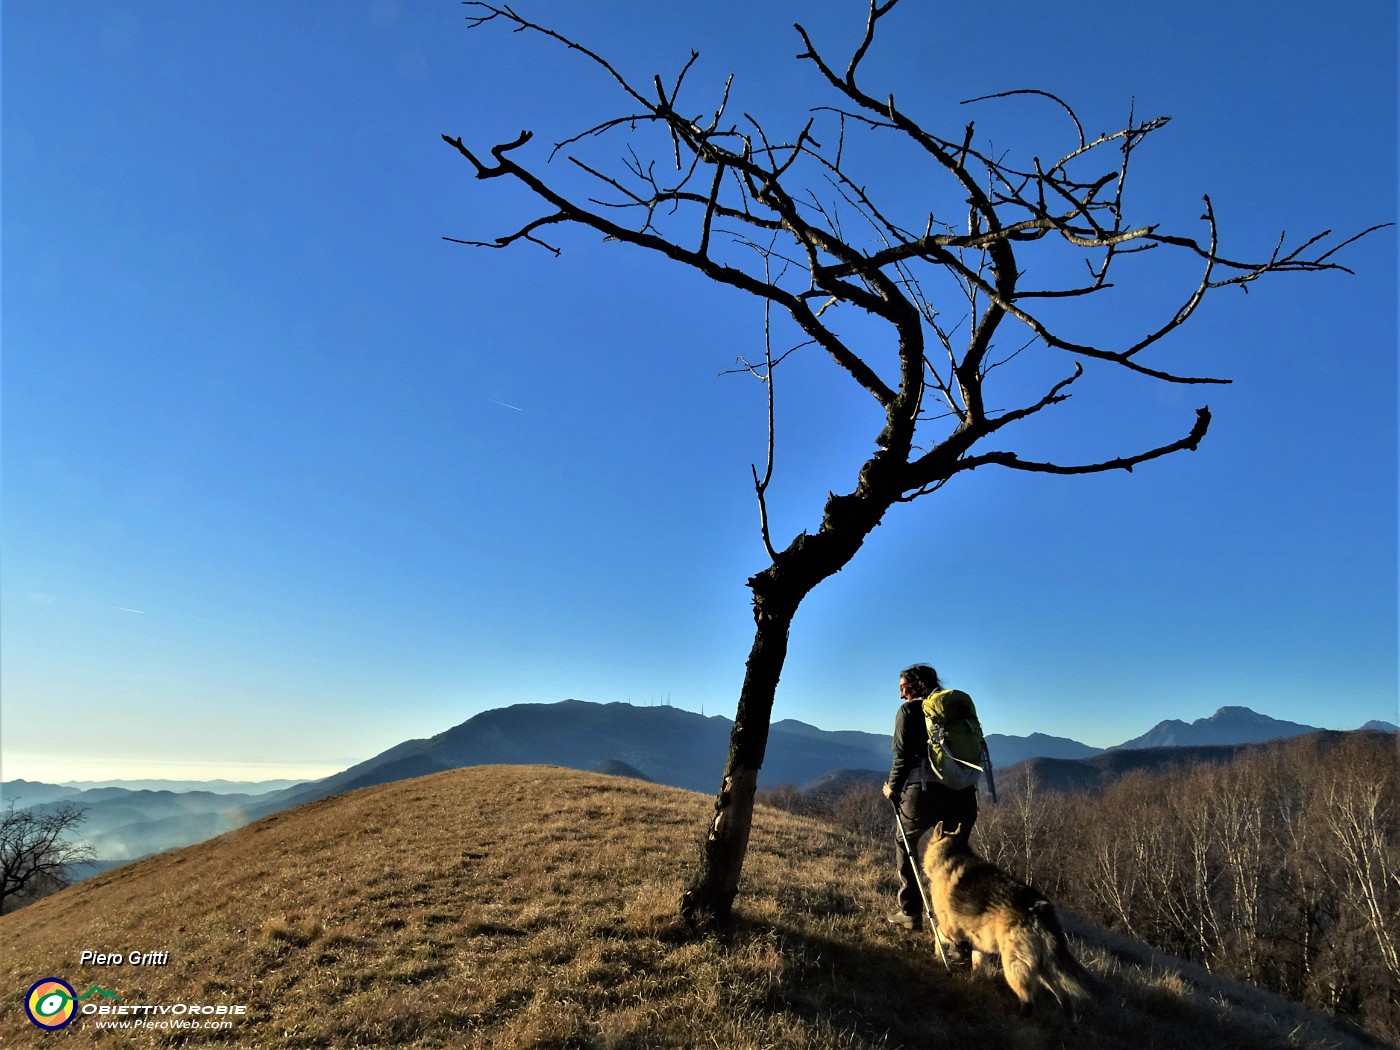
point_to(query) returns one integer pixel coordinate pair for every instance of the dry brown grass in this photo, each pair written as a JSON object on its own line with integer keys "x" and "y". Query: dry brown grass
{"x": 511, "y": 907}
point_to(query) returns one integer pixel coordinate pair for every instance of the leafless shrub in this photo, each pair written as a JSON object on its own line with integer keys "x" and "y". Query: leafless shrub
{"x": 36, "y": 857}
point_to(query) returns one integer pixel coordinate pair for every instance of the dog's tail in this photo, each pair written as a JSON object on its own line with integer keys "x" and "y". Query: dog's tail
{"x": 1059, "y": 972}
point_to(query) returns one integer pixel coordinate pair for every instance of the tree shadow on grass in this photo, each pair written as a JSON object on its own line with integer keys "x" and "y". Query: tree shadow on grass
{"x": 887, "y": 988}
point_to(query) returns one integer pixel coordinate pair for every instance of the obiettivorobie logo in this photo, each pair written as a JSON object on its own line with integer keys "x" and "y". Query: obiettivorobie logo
{"x": 52, "y": 1004}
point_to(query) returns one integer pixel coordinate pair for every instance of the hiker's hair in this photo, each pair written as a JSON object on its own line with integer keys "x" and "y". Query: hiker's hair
{"x": 922, "y": 678}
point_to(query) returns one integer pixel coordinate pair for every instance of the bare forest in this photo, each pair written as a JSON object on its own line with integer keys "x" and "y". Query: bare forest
{"x": 1280, "y": 868}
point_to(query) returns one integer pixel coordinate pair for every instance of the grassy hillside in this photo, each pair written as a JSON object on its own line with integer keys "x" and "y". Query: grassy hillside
{"x": 535, "y": 907}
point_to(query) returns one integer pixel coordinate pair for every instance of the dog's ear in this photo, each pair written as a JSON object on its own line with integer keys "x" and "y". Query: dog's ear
{"x": 949, "y": 834}
{"x": 938, "y": 830}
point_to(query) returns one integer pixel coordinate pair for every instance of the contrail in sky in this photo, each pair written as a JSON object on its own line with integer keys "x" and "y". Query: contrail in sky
{"x": 504, "y": 405}
{"x": 123, "y": 608}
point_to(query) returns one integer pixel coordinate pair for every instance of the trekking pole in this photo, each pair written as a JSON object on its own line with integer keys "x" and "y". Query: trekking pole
{"x": 914, "y": 867}
{"x": 987, "y": 770}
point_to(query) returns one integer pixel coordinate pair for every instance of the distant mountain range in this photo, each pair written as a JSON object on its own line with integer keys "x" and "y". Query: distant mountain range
{"x": 218, "y": 787}
{"x": 666, "y": 745}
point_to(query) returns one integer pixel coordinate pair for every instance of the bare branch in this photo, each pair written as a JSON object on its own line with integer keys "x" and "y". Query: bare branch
{"x": 877, "y": 11}
{"x": 761, "y": 487}
{"x": 1044, "y": 94}
{"x": 490, "y": 12}
{"x": 1010, "y": 459}
{"x": 525, "y": 233}
{"x": 710, "y": 208}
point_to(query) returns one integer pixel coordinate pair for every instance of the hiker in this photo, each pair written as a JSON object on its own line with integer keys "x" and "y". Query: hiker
{"x": 915, "y": 788}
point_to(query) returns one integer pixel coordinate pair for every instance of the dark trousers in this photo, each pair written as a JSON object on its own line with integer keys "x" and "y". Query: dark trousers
{"x": 921, "y": 806}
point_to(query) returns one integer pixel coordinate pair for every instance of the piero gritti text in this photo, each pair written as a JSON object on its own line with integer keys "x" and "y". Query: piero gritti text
{"x": 136, "y": 958}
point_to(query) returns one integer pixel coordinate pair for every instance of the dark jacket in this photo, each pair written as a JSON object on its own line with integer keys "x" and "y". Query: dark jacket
{"x": 910, "y": 745}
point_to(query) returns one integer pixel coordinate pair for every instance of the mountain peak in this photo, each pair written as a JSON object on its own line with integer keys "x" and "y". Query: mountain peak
{"x": 1236, "y": 714}
{"x": 1229, "y": 725}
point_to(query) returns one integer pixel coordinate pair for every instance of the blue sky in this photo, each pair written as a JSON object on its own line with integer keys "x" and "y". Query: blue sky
{"x": 289, "y": 479}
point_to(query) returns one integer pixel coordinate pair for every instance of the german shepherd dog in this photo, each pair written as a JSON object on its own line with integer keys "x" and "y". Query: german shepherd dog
{"x": 975, "y": 901}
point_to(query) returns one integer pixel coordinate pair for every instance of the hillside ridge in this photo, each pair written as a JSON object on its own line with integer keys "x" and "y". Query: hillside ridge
{"x": 518, "y": 906}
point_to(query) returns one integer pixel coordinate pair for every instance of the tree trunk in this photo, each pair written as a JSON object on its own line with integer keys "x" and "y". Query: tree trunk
{"x": 709, "y": 899}
{"x": 777, "y": 592}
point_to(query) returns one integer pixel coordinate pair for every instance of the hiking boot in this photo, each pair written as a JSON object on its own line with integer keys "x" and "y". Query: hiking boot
{"x": 909, "y": 922}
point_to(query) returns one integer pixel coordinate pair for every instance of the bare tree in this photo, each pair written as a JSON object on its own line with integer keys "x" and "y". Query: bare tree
{"x": 803, "y": 223}
{"x": 1360, "y": 810}
{"x": 34, "y": 852}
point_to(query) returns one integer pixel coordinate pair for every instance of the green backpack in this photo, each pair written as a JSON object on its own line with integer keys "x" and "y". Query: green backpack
{"x": 957, "y": 750}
